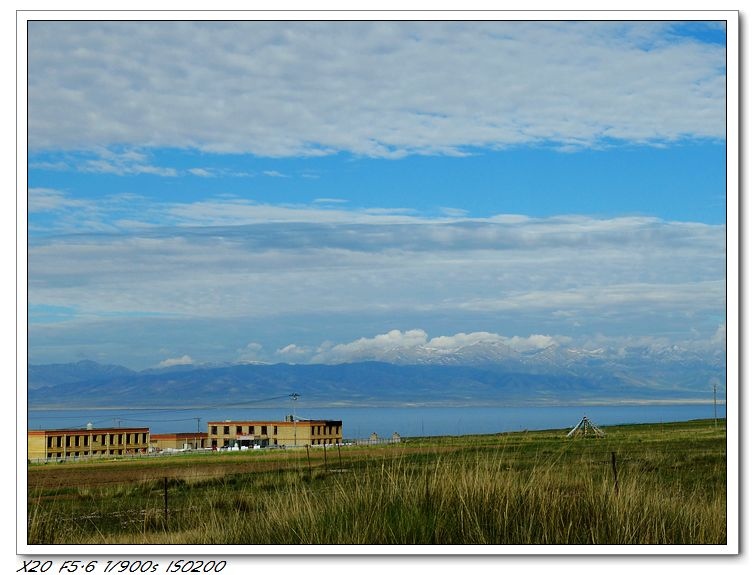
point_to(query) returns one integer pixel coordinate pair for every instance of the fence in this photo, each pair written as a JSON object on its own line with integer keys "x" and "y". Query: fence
{"x": 372, "y": 441}
{"x": 126, "y": 456}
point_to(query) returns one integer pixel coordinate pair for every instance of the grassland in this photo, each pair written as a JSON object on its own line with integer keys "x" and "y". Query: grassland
{"x": 514, "y": 488}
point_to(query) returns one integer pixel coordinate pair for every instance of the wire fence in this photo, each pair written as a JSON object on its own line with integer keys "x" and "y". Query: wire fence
{"x": 173, "y": 498}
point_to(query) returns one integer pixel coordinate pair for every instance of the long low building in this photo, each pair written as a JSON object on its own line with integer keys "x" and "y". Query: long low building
{"x": 290, "y": 432}
{"x": 161, "y": 441}
{"x": 66, "y": 443}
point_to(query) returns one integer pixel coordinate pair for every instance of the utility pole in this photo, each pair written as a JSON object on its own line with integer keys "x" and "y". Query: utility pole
{"x": 715, "y": 412}
{"x": 196, "y": 439}
{"x": 294, "y": 397}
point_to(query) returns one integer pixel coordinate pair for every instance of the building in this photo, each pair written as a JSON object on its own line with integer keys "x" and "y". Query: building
{"x": 290, "y": 432}
{"x": 66, "y": 443}
{"x": 193, "y": 440}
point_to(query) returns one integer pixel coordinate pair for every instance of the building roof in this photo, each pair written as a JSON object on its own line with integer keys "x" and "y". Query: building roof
{"x": 277, "y": 422}
{"x": 79, "y": 430}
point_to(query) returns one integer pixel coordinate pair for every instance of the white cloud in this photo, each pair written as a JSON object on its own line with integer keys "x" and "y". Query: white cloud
{"x": 384, "y": 89}
{"x": 172, "y": 362}
{"x": 253, "y": 352}
{"x": 294, "y": 353}
{"x": 201, "y": 172}
{"x": 381, "y": 347}
{"x": 58, "y": 166}
{"x": 330, "y": 201}
{"x": 445, "y": 343}
{"x": 49, "y": 200}
{"x": 327, "y": 271}
{"x": 462, "y": 340}
{"x": 413, "y": 345}
{"x": 557, "y": 268}
{"x": 454, "y": 212}
{"x": 129, "y": 161}
{"x": 239, "y": 212}
{"x": 532, "y": 342}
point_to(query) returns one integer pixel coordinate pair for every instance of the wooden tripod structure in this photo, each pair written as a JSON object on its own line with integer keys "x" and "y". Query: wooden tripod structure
{"x": 585, "y": 428}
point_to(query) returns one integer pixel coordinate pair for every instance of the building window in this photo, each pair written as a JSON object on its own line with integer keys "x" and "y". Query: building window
{"x": 264, "y": 430}
{"x": 144, "y": 438}
{"x": 49, "y": 442}
{"x": 68, "y": 441}
{"x": 275, "y": 431}
{"x": 226, "y": 430}
{"x": 86, "y": 441}
{"x": 238, "y": 430}
{"x": 251, "y": 430}
{"x": 58, "y": 441}
{"x": 76, "y": 441}
{"x": 112, "y": 439}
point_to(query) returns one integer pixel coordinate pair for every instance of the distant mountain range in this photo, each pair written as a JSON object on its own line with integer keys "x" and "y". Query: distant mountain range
{"x": 548, "y": 376}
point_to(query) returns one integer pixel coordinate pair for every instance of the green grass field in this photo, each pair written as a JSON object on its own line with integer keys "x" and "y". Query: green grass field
{"x": 514, "y": 488}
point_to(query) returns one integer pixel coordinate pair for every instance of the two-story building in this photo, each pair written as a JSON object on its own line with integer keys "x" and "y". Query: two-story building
{"x": 290, "y": 432}
{"x": 89, "y": 441}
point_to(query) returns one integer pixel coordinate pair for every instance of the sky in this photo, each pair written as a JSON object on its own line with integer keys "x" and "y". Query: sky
{"x": 324, "y": 191}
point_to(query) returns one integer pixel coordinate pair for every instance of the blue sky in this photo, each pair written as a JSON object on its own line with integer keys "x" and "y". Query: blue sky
{"x": 280, "y": 191}
{"x": 683, "y": 182}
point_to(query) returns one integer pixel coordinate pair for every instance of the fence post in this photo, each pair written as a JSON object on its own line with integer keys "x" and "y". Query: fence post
{"x": 165, "y": 498}
{"x": 615, "y": 473}
{"x": 325, "y": 456}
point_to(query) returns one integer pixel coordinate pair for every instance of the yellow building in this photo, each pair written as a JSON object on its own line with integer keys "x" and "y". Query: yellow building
{"x": 161, "y": 441}
{"x": 290, "y": 432}
{"x": 66, "y": 443}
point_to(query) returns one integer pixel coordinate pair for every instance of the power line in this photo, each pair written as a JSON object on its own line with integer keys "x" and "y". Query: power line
{"x": 156, "y": 410}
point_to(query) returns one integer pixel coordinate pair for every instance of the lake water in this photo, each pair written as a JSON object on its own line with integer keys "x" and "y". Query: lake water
{"x": 360, "y": 422}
